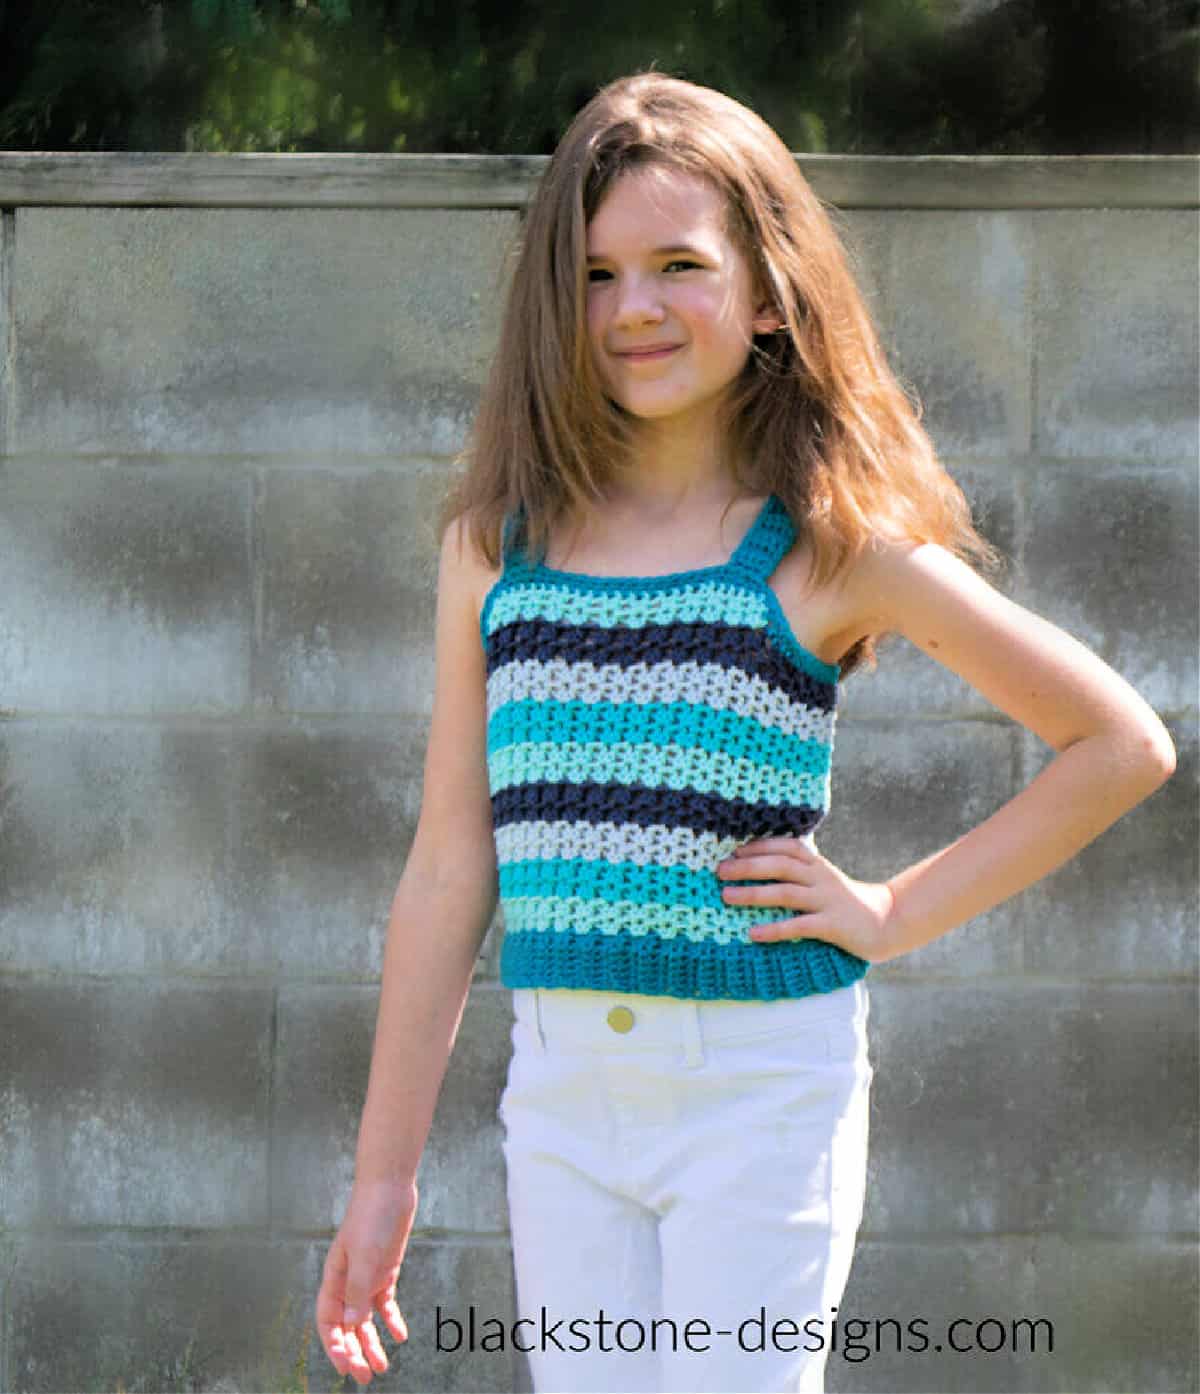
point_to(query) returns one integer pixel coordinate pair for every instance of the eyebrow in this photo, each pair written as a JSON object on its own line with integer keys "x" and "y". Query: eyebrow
{"x": 658, "y": 252}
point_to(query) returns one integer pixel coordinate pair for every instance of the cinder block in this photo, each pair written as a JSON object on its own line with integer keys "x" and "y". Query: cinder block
{"x": 907, "y": 682}
{"x": 1038, "y": 1313}
{"x": 125, "y": 589}
{"x": 349, "y": 586}
{"x": 149, "y": 1314}
{"x": 325, "y": 816}
{"x": 903, "y": 790}
{"x": 1111, "y": 558}
{"x": 130, "y": 848}
{"x": 1125, "y": 906}
{"x": 1114, "y": 333}
{"x": 959, "y": 294}
{"x": 1018, "y": 1106}
{"x": 133, "y": 1103}
{"x": 866, "y": 235}
{"x": 462, "y": 1172}
{"x": 114, "y": 845}
{"x": 353, "y": 330}
{"x": 324, "y": 1057}
{"x": 234, "y": 1315}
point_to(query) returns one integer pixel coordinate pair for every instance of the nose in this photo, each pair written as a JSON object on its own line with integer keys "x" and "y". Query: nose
{"x": 637, "y": 302}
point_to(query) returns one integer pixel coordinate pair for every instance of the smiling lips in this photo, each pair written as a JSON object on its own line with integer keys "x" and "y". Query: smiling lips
{"x": 649, "y": 353}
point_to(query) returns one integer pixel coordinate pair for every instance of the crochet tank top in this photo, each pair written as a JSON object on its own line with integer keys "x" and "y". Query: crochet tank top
{"x": 638, "y": 730}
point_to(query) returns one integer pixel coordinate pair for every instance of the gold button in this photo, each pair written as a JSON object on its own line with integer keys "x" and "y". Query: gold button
{"x": 621, "y": 1019}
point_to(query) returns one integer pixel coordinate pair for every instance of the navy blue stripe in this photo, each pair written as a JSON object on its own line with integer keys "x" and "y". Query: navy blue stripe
{"x": 591, "y": 802}
{"x": 729, "y": 645}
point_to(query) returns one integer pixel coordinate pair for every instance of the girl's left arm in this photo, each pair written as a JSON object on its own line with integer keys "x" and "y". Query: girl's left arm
{"x": 1113, "y": 751}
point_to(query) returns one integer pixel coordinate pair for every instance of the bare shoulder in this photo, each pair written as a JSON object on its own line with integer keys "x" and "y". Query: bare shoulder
{"x": 868, "y": 584}
{"x": 464, "y": 566}
{"x": 453, "y": 837}
{"x": 916, "y": 589}
{"x": 925, "y": 592}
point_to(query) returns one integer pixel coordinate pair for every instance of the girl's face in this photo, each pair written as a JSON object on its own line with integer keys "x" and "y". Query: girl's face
{"x": 664, "y": 276}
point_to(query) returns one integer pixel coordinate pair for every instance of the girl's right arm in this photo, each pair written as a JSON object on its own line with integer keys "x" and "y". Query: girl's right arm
{"x": 439, "y": 918}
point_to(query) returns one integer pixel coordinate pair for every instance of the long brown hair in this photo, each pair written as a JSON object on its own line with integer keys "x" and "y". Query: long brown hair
{"x": 816, "y": 416}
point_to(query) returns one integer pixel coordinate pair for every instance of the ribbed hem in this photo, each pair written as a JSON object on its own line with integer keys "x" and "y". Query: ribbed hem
{"x": 679, "y": 967}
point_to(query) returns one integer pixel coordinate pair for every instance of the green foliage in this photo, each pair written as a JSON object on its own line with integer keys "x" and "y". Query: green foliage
{"x": 505, "y": 76}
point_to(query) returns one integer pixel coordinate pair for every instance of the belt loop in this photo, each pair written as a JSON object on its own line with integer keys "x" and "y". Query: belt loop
{"x": 693, "y": 1040}
{"x": 538, "y": 1030}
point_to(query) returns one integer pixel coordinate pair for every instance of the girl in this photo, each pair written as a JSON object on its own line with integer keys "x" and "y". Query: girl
{"x": 695, "y": 497}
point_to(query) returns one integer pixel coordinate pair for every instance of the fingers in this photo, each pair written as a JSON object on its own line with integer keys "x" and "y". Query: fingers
{"x": 356, "y": 1351}
{"x": 344, "y": 1351}
{"x": 391, "y": 1314}
{"x": 793, "y": 885}
{"x": 353, "y": 1349}
{"x": 785, "y": 929}
{"x": 784, "y": 861}
{"x": 786, "y": 884}
{"x": 372, "y": 1346}
{"x": 789, "y": 846}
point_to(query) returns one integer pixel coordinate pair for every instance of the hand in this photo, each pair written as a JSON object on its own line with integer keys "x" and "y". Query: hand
{"x": 854, "y": 915}
{"x": 360, "y": 1272}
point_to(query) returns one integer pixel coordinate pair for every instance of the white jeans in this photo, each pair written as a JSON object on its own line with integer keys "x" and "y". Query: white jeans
{"x": 704, "y": 1166}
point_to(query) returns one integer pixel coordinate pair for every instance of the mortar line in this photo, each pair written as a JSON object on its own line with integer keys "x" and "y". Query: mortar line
{"x": 6, "y": 1284}
{"x": 256, "y": 564}
{"x": 272, "y": 1048}
{"x": 1021, "y": 468}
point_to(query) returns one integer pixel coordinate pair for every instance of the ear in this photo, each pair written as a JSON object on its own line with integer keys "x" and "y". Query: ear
{"x": 768, "y": 320}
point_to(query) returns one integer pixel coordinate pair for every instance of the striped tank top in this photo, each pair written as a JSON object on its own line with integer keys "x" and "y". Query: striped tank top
{"x": 638, "y": 730}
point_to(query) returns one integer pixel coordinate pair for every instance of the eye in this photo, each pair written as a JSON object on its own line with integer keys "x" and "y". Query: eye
{"x": 595, "y": 272}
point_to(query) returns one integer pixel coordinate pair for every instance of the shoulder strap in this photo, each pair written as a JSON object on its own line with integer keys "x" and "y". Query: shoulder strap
{"x": 768, "y": 541}
{"x": 510, "y": 549}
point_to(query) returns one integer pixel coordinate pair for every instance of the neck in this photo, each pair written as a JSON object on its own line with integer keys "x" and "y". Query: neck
{"x": 676, "y": 470}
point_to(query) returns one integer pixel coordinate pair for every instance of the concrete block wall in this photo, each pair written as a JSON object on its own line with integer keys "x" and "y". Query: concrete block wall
{"x": 228, "y": 396}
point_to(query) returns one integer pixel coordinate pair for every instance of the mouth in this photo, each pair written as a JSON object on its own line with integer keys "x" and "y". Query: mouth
{"x": 650, "y": 355}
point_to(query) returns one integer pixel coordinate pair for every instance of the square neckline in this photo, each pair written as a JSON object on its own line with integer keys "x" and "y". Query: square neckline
{"x": 742, "y": 548}
{"x": 743, "y": 566}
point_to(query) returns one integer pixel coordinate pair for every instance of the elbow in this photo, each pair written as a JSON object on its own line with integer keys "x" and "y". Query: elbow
{"x": 1156, "y": 756}
{"x": 1165, "y": 757}
{"x": 1142, "y": 759}
{"x": 1160, "y": 750}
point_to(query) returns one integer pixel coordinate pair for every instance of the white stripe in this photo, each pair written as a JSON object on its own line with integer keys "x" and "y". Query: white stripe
{"x": 710, "y": 684}
{"x": 655, "y": 845}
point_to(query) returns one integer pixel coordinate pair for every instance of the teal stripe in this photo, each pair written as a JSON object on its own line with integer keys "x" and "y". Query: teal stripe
{"x": 691, "y": 724}
{"x": 625, "y": 962}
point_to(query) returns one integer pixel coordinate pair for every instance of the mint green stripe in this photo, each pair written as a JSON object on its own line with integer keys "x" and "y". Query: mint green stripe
{"x": 715, "y": 922}
{"x": 623, "y": 763}
{"x": 727, "y": 603}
